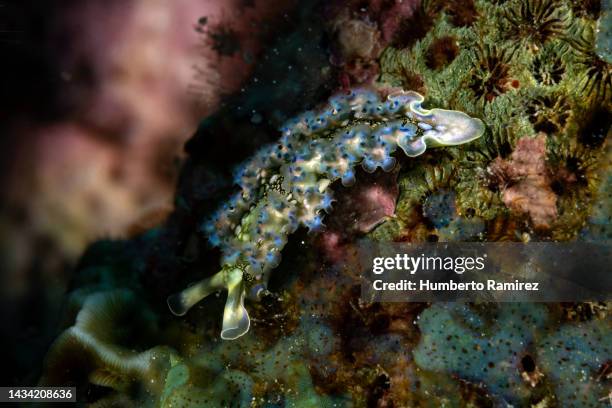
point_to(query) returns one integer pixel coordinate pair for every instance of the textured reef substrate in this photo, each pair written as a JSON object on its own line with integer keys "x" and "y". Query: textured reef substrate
{"x": 532, "y": 70}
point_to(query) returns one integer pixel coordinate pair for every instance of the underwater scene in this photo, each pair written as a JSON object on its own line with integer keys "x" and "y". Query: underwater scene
{"x": 188, "y": 186}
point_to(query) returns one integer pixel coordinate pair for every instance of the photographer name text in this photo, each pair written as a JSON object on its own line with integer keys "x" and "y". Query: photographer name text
{"x": 459, "y": 265}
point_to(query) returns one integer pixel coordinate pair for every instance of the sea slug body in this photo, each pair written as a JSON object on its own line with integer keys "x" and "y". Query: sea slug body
{"x": 285, "y": 185}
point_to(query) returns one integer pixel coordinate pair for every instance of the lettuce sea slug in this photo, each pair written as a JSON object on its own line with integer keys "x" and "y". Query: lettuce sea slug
{"x": 285, "y": 185}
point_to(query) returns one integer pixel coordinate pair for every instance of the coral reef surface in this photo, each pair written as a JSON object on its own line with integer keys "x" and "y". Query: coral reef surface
{"x": 527, "y": 76}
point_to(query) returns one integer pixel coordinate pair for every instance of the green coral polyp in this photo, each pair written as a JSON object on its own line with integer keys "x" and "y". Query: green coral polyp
{"x": 285, "y": 185}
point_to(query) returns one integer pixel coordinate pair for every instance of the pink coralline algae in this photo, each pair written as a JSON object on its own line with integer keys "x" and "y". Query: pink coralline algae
{"x": 526, "y": 183}
{"x": 358, "y": 210}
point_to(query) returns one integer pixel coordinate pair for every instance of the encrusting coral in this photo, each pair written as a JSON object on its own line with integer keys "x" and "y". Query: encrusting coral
{"x": 597, "y": 79}
{"x": 535, "y": 22}
{"x": 286, "y": 185}
{"x": 511, "y": 348}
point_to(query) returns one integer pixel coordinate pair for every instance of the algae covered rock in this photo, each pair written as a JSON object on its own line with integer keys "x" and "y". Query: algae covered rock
{"x": 111, "y": 345}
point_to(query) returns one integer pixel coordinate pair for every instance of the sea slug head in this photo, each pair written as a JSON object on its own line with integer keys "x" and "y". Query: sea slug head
{"x": 436, "y": 127}
{"x": 451, "y": 128}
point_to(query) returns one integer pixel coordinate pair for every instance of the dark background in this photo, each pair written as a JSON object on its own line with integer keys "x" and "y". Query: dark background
{"x": 97, "y": 99}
